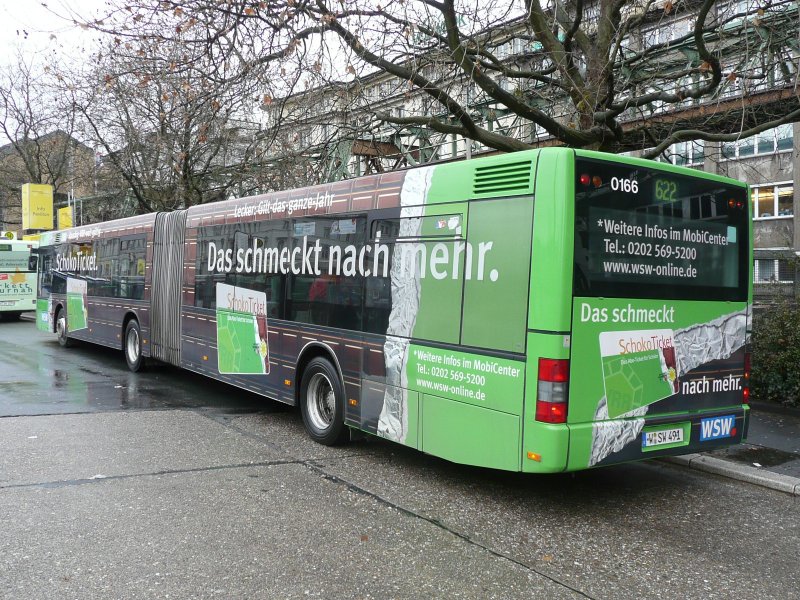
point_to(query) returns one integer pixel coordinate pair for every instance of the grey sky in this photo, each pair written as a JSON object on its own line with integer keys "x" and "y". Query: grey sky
{"x": 45, "y": 30}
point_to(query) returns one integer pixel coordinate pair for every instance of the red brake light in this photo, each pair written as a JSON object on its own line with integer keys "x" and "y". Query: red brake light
{"x": 746, "y": 385}
{"x": 585, "y": 179}
{"x": 551, "y": 390}
{"x": 551, "y": 412}
{"x": 552, "y": 369}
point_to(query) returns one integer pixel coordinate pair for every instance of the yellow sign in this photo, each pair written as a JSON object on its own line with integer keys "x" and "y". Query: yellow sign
{"x": 8, "y": 235}
{"x": 65, "y": 217}
{"x": 37, "y": 206}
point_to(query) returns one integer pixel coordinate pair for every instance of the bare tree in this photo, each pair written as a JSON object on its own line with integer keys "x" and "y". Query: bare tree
{"x": 40, "y": 127}
{"x": 173, "y": 136}
{"x": 614, "y": 75}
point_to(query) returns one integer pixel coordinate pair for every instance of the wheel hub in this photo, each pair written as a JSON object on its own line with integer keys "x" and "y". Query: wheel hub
{"x": 321, "y": 401}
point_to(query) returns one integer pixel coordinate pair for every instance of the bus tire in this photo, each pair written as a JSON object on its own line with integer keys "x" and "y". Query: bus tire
{"x": 132, "y": 346}
{"x": 322, "y": 402}
{"x": 61, "y": 328}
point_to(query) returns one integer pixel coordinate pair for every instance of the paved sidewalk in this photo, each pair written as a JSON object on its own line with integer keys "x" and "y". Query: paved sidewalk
{"x": 770, "y": 457}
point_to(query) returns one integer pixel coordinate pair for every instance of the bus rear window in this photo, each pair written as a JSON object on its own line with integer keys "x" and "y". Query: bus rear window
{"x": 646, "y": 233}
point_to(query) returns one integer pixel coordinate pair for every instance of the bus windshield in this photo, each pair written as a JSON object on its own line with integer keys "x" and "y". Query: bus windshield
{"x": 648, "y": 233}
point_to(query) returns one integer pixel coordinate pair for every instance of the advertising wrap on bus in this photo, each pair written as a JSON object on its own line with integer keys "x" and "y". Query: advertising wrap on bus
{"x": 660, "y": 314}
{"x": 15, "y": 287}
{"x": 431, "y": 271}
{"x": 539, "y": 311}
{"x": 242, "y": 335}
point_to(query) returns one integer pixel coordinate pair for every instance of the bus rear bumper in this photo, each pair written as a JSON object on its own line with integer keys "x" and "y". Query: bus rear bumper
{"x": 624, "y": 440}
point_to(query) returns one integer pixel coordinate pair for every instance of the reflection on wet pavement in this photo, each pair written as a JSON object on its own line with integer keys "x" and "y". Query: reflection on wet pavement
{"x": 37, "y": 376}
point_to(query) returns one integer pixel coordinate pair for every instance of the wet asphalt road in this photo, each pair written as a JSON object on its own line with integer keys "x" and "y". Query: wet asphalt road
{"x": 37, "y": 377}
{"x": 165, "y": 484}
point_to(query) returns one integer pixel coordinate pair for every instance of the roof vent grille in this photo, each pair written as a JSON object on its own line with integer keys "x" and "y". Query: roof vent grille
{"x": 508, "y": 178}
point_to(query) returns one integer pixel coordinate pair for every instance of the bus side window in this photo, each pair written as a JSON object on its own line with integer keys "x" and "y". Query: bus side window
{"x": 205, "y": 282}
{"x": 263, "y": 235}
{"x": 227, "y": 241}
{"x": 385, "y": 229}
{"x": 333, "y": 295}
{"x": 101, "y": 285}
{"x": 46, "y": 275}
{"x": 130, "y": 265}
{"x": 59, "y": 284}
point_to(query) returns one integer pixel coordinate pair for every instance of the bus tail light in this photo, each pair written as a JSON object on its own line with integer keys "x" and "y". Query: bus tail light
{"x": 732, "y": 203}
{"x": 551, "y": 390}
{"x": 746, "y": 386}
{"x": 587, "y": 179}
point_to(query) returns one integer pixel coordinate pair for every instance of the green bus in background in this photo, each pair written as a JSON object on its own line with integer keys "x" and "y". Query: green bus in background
{"x": 543, "y": 311}
{"x": 17, "y": 277}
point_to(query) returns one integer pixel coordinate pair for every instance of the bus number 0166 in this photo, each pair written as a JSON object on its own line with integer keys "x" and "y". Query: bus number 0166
{"x": 629, "y": 186}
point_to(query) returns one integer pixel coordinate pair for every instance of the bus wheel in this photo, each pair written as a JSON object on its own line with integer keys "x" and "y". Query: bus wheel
{"x": 133, "y": 346}
{"x": 61, "y": 328}
{"x": 322, "y": 402}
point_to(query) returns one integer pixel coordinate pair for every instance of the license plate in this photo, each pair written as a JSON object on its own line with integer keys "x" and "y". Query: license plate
{"x": 662, "y": 437}
{"x": 6, "y": 303}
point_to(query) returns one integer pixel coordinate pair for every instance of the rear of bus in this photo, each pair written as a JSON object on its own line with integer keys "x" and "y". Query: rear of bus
{"x": 658, "y": 357}
{"x": 17, "y": 278}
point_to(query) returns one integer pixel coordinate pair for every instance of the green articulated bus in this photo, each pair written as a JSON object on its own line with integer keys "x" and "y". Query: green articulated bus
{"x": 542, "y": 311}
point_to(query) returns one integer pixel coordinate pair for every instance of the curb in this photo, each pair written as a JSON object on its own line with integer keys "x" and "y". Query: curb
{"x": 774, "y": 481}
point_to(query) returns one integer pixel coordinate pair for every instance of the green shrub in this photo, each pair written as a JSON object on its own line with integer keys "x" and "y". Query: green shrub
{"x": 775, "y": 375}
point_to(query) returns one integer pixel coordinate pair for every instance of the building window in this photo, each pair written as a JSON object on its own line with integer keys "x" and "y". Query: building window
{"x": 666, "y": 32}
{"x": 747, "y": 147}
{"x": 766, "y": 143}
{"x": 743, "y": 6}
{"x": 687, "y": 154}
{"x": 779, "y": 139}
{"x": 785, "y": 137}
{"x": 772, "y": 200}
{"x": 772, "y": 271}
